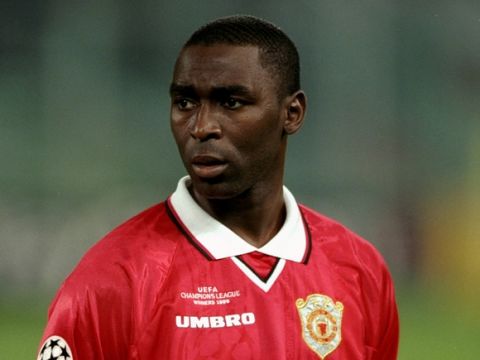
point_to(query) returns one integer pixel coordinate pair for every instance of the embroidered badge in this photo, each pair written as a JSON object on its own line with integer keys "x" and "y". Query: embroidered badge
{"x": 321, "y": 321}
{"x": 55, "y": 348}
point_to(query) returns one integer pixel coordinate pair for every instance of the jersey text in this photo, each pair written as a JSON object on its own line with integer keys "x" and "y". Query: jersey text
{"x": 195, "y": 322}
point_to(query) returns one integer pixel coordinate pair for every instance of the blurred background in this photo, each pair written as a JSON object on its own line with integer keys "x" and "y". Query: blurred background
{"x": 391, "y": 145}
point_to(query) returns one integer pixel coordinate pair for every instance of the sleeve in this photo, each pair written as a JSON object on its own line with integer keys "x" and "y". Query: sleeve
{"x": 90, "y": 318}
{"x": 387, "y": 346}
{"x": 378, "y": 296}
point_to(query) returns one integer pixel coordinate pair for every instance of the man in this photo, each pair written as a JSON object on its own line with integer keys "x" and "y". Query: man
{"x": 229, "y": 267}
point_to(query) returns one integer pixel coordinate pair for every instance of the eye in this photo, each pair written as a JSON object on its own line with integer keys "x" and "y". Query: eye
{"x": 232, "y": 103}
{"x": 184, "y": 104}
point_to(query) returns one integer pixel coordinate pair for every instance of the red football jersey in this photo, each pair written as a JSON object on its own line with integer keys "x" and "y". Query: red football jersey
{"x": 174, "y": 283}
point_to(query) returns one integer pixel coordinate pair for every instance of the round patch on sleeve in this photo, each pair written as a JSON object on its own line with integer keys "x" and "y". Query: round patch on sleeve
{"x": 55, "y": 348}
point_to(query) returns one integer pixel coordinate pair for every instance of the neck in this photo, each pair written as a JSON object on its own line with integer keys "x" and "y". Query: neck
{"x": 255, "y": 215}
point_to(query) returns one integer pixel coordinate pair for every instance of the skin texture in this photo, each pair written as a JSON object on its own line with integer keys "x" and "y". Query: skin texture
{"x": 231, "y": 130}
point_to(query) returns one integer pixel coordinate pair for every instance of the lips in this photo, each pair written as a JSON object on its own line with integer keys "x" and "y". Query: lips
{"x": 208, "y": 166}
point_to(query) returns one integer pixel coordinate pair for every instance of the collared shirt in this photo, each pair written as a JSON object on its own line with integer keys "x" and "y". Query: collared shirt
{"x": 174, "y": 283}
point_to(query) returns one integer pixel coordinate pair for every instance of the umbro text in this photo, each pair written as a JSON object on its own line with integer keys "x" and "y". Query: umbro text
{"x": 230, "y": 320}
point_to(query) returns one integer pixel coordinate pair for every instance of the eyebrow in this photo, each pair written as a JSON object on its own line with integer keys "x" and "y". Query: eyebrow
{"x": 231, "y": 90}
{"x": 181, "y": 89}
{"x": 216, "y": 90}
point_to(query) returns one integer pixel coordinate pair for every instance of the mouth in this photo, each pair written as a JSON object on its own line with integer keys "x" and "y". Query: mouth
{"x": 208, "y": 166}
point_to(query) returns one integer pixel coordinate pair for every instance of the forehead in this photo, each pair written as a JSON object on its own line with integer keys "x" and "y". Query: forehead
{"x": 218, "y": 65}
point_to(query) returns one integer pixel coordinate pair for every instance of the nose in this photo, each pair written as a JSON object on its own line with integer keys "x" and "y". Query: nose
{"x": 205, "y": 125}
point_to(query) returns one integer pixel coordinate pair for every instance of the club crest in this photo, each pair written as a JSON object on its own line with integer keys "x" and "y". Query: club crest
{"x": 321, "y": 321}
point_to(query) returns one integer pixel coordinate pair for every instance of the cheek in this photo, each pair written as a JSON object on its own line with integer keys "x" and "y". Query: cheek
{"x": 261, "y": 148}
{"x": 179, "y": 130}
{"x": 266, "y": 137}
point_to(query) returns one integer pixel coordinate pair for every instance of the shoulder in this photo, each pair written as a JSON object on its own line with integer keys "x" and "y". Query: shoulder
{"x": 146, "y": 241}
{"x": 341, "y": 245}
{"x": 98, "y": 300}
{"x": 358, "y": 265}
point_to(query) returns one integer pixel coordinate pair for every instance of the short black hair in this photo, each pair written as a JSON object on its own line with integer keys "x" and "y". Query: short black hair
{"x": 278, "y": 53}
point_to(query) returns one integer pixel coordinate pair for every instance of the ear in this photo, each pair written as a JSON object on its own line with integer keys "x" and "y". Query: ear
{"x": 295, "y": 107}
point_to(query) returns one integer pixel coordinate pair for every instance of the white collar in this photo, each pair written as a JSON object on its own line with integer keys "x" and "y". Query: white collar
{"x": 217, "y": 241}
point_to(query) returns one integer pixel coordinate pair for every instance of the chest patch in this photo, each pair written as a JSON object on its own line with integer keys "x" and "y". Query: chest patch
{"x": 321, "y": 322}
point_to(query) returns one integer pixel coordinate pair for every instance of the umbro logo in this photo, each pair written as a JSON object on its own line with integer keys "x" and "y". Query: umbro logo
{"x": 230, "y": 320}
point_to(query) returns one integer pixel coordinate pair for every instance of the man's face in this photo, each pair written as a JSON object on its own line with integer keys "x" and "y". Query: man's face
{"x": 227, "y": 121}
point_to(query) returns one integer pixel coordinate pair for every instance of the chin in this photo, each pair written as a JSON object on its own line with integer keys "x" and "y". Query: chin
{"x": 216, "y": 189}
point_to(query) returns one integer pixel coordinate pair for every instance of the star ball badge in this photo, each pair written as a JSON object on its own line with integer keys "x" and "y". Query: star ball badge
{"x": 321, "y": 320}
{"x": 55, "y": 348}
